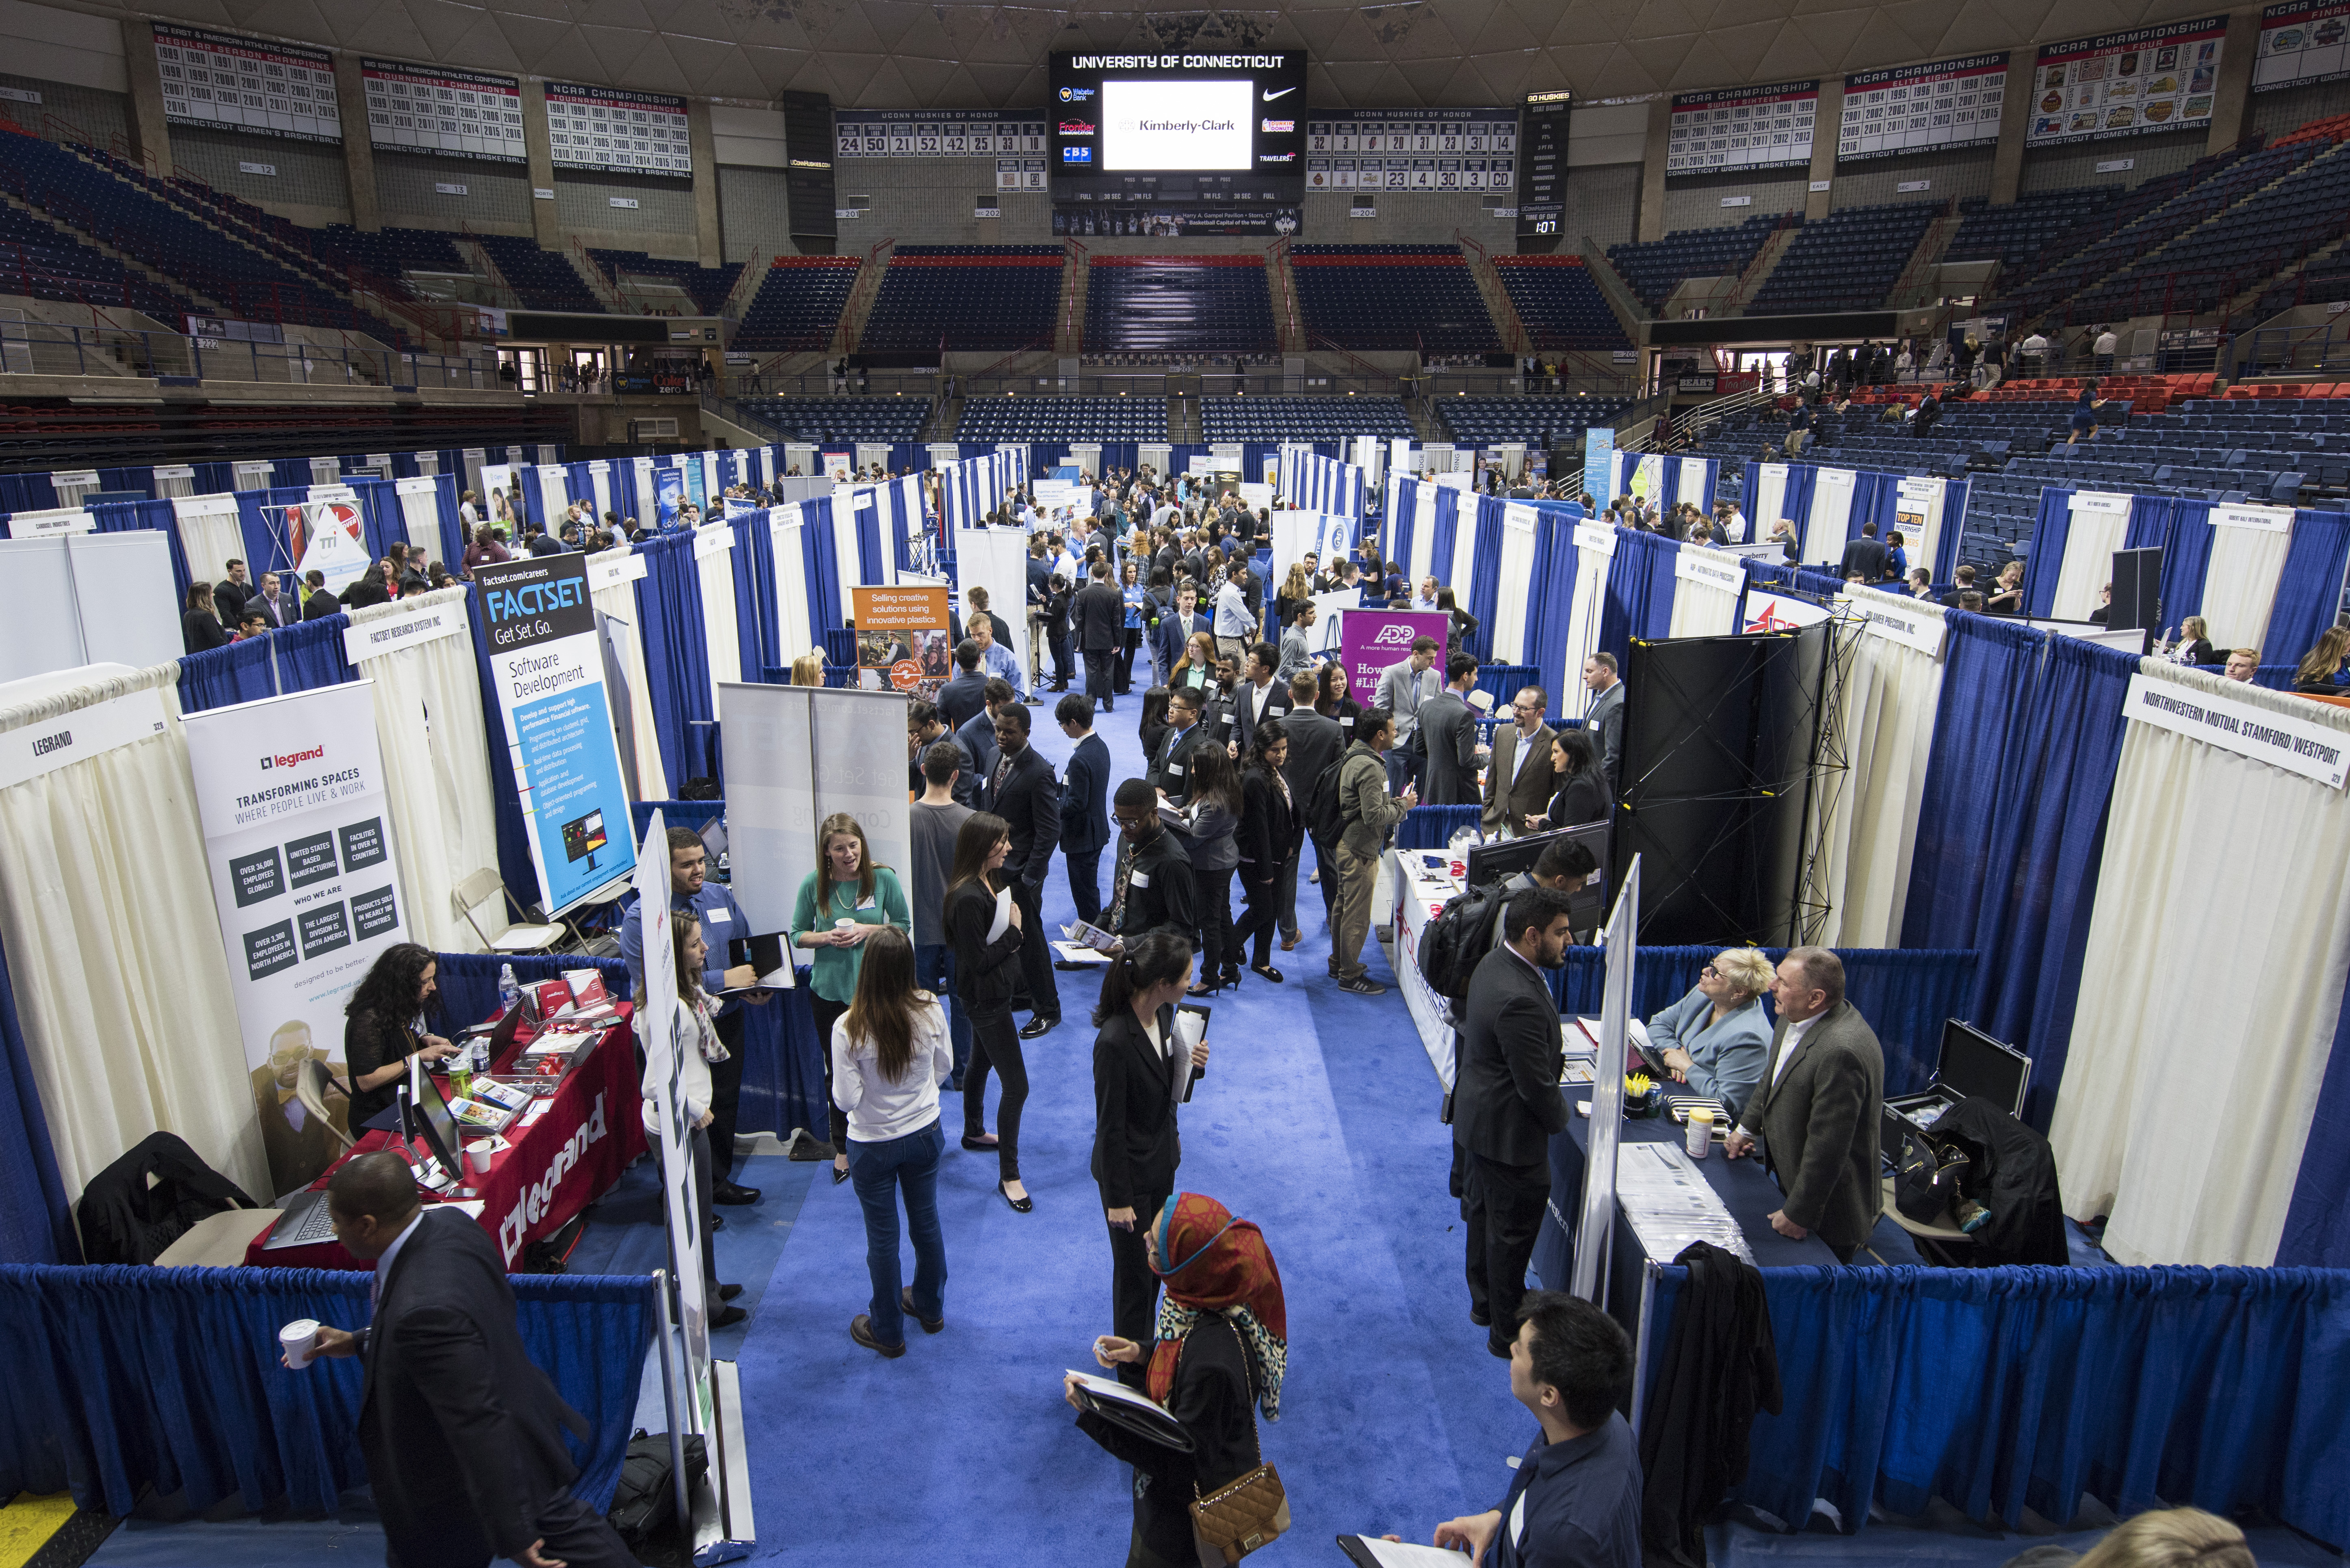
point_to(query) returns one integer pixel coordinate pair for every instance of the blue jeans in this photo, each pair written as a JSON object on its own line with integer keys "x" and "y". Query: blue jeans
{"x": 878, "y": 1169}
{"x": 934, "y": 972}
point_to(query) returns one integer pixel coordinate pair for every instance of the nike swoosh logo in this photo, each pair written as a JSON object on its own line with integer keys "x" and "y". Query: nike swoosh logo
{"x": 1270, "y": 95}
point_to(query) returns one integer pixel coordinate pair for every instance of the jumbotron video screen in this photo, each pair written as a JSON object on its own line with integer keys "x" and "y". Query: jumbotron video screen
{"x": 1191, "y": 142}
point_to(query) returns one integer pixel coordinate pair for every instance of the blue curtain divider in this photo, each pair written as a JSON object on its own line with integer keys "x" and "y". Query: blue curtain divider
{"x": 1432, "y": 827}
{"x": 1999, "y": 1389}
{"x": 676, "y": 655}
{"x": 27, "y": 492}
{"x": 693, "y": 813}
{"x": 2186, "y": 559}
{"x": 1401, "y": 526}
{"x": 1638, "y": 605}
{"x": 2011, "y": 826}
{"x": 35, "y": 1221}
{"x": 1955, "y": 493}
{"x": 223, "y": 677}
{"x": 755, "y": 592}
{"x": 1550, "y": 601}
{"x": 1796, "y": 500}
{"x": 823, "y": 565}
{"x": 1907, "y": 994}
{"x": 1485, "y": 572}
{"x": 382, "y": 523}
{"x": 1876, "y": 497}
{"x": 1500, "y": 682}
{"x": 2308, "y": 587}
{"x": 2317, "y": 1220}
{"x": 128, "y": 1378}
{"x": 310, "y": 654}
{"x": 469, "y": 982}
{"x": 1442, "y": 537}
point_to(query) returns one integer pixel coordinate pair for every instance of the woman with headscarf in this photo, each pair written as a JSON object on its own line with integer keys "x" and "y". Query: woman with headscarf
{"x": 1223, "y": 1345}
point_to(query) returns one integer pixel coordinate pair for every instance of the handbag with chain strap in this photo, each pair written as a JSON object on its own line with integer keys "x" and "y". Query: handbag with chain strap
{"x": 1241, "y": 1515}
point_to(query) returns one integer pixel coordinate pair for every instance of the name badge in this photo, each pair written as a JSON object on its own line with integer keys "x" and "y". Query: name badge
{"x": 1345, "y": 723}
{"x": 1139, "y": 878}
{"x": 868, "y": 904}
{"x": 1591, "y": 725}
{"x": 719, "y": 916}
{"x": 1175, "y": 770}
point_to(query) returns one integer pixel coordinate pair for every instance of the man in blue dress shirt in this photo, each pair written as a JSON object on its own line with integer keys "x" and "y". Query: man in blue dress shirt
{"x": 1575, "y": 1502}
{"x": 722, "y": 922}
{"x": 996, "y": 660}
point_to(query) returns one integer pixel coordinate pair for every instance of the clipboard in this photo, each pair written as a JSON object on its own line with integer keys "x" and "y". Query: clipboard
{"x": 766, "y": 954}
{"x": 1135, "y": 1411}
{"x": 1190, "y": 1038}
{"x": 1370, "y": 1551}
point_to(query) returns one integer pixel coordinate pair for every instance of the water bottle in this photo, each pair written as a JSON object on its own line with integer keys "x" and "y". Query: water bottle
{"x": 508, "y": 989}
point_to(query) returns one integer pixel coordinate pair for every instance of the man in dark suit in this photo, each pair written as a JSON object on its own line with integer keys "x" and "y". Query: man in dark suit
{"x": 1518, "y": 781}
{"x": 1506, "y": 1105}
{"x": 1448, "y": 733}
{"x": 1315, "y": 742}
{"x": 317, "y": 602}
{"x": 1098, "y": 615}
{"x": 977, "y": 734}
{"x": 1604, "y": 717}
{"x": 1964, "y": 584}
{"x": 1175, "y": 629}
{"x": 1168, "y": 772}
{"x": 965, "y": 696}
{"x": 1817, "y": 1111}
{"x": 1864, "y": 557}
{"x": 278, "y": 610}
{"x": 1084, "y": 806}
{"x": 463, "y": 1434}
{"x": 1022, "y": 790}
{"x": 1258, "y": 696}
{"x": 1152, "y": 890}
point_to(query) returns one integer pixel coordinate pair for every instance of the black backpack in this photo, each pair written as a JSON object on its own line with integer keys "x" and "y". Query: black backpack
{"x": 1325, "y": 819}
{"x": 646, "y": 1498}
{"x": 1457, "y": 940}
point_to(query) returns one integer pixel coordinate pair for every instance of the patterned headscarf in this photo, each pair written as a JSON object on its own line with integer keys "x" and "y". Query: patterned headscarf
{"x": 1212, "y": 1263}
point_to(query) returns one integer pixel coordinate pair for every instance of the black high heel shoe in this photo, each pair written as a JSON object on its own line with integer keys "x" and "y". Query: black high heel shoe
{"x": 1210, "y": 990}
{"x": 1019, "y": 1205}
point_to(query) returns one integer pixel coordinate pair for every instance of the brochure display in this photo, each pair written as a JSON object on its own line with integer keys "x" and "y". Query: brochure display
{"x": 1595, "y": 1230}
{"x": 299, "y": 838}
{"x": 548, "y": 667}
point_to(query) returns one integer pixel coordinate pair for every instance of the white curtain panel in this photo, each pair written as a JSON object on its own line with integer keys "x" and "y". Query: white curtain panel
{"x": 1823, "y": 537}
{"x": 114, "y": 943}
{"x": 1701, "y": 610}
{"x": 844, "y": 546}
{"x": 1769, "y": 502}
{"x": 210, "y": 534}
{"x": 2240, "y": 589}
{"x": 2210, "y": 988}
{"x": 619, "y": 603}
{"x": 719, "y": 629}
{"x": 1463, "y": 574}
{"x": 785, "y": 525}
{"x": 1519, "y": 522}
{"x": 1582, "y": 627}
{"x": 1423, "y": 538}
{"x": 2088, "y": 563}
{"x": 1868, "y": 832}
{"x": 436, "y": 762}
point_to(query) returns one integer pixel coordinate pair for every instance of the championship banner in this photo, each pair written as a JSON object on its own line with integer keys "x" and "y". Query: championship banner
{"x": 901, "y": 640}
{"x": 2303, "y": 41}
{"x": 326, "y": 536}
{"x": 299, "y": 843}
{"x": 1743, "y": 128}
{"x": 548, "y": 667}
{"x": 1371, "y": 639}
{"x": 2126, "y": 84}
{"x": 1917, "y": 109}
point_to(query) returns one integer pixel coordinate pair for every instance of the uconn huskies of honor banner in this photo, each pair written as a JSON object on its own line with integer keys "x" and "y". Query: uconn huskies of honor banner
{"x": 549, "y": 672}
{"x": 299, "y": 842}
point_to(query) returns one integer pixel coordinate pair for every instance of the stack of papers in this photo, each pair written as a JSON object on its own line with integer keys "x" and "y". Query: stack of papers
{"x": 1669, "y": 1205}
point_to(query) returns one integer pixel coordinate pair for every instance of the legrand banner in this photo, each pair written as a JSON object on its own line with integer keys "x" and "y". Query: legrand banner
{"x": 567, "y": 761}
{"x": 299, "y": 842}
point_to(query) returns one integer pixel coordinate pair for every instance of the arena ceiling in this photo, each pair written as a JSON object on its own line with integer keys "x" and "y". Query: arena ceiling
{"x": 895, "y": 54}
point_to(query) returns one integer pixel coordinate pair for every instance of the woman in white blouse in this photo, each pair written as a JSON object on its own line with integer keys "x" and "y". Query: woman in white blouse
{"x": 891, "y": 1051}
{"x": 698, "y": 1045}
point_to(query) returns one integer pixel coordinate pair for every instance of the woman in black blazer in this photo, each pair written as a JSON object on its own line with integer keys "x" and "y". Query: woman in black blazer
{"x": 1269, "y": 834}
{"x": 1136, "y": 1148}
{"x": 1583, "y": 793}
{"x": 986, "y": 973}
{"x": 200, "y": 631}
{"x": 2194, "y": 644}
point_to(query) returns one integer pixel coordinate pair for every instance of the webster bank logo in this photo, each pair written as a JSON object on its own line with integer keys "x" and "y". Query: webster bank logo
{"x": 292, "y": 758}
{"x": 1076, "y": 95}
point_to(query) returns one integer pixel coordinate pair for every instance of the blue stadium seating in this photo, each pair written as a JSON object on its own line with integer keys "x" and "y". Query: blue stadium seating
{"x": 1302, "y": 418}
{"x": 1392, "y": 297}
{"x": 798, "y": 305}
{"x": 1538, "y": 419}
{"x": 387, "y": 252}
{"x": 1656, "y": 267}
{"x": 984, "y": 297}
{"x": 1063, "y": 419}
{"x": 2015, "y": 232}
{"x": 542, "y": 279}
{"x": 2270, "y": 227}
{"x": 893, "y": 419}
{"x": 1200, "y": 303}
{"x": 1559, "y": 303}
{"x": 41, "y": 263}
{"x": 1849, "y": 260}
{"x": 707, "y": 287}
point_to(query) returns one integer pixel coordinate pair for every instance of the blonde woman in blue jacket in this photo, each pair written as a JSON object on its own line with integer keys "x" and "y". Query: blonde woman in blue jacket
{"x": 1716, "y": 1039}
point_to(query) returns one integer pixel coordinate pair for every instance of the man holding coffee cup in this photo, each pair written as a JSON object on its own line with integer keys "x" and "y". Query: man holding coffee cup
{"x": 463, "y": 1434}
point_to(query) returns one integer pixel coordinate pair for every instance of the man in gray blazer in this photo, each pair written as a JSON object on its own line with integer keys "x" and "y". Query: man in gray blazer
{"x": 1403, "y": 687}
{"x": 1604, "y": 717}
{"x": 1816, "y": 1115}
{"x": 1518, "y": 782}
{"x": 1448, "y": 736}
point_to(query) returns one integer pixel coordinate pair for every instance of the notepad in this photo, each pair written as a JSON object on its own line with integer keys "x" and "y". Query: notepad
{"x": 1136, "y": 1411}
{"x": 1003, "y": 922}
{"x": 1370, "y": 1551}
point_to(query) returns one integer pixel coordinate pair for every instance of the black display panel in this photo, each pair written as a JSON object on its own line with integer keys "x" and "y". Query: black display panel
{"x": 1542, "y": 163}
{"x": 1188, "y": 141}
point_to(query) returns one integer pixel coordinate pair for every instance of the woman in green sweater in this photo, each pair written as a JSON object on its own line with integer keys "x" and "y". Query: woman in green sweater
{"x": 840, "y": 903}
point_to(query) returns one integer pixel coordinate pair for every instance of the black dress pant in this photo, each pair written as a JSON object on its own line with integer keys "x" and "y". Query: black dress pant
{"x": 726, "y": 1093}
{"x": 1505, "y": 1204}
{"x": 1218, "y": 952}
{"x": 1098, "y": 684}
{"x": 828, "y": 1012}
{"x": 572, "y": 1532}
{"x": 1039, "y": 994}
{"x": 1263, "y": 916}
{"x": 1125, "y": 659}
{"x": 1325, "y": 861}
{"x": 995, "y": 1044}
{"x": 1133, "y": 1288}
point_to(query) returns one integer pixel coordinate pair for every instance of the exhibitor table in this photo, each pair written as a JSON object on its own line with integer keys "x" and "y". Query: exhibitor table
{"x": 552, "y": 1168}
{"x": 1419, "y": 881}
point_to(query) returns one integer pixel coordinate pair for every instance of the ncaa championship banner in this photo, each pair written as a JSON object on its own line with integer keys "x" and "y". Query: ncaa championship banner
{"x": 548, "y": 667}
{"x": 299, "y": 842}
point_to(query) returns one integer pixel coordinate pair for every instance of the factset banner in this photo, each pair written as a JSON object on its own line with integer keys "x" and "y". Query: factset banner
{"x": 549, "y": 671}
{"x": 1372, "y": 639}
{"x": 299, "y": 843}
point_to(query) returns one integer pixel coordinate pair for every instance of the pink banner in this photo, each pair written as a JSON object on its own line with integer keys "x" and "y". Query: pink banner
{"x": 1371, "y": 639}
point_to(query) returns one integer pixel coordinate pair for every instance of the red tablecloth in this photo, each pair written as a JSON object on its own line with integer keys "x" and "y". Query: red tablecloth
{"x": 550, "y": 1171}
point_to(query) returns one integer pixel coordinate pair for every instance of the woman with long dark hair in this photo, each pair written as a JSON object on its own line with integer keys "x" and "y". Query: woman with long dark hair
{"x": 982, "y": 922}
{"x": 691, "y": 1026}
{"x": 1211, "y": 811}
{"x": 1582, "y": 794}
{"x": 1270, "y": 832}
{"x": 200, "y": 631}
{"x": 841, "y": 904}
{"x": 383, "y": 1026}
{"x": 1459, "y": 626}
{"x": 1154, "y": 726}
{"x": 891, "y": 1051}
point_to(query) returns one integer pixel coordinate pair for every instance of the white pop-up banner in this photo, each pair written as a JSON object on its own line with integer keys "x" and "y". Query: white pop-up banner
{"x": 298, "y": 836}
{"x": 795, "y": 755}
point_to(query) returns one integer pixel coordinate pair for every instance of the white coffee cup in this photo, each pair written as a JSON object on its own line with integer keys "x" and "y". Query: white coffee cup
{"x": 844, "y": 924}
{"x": 477, "y": 1155}
{"x": 298, "y": 1340}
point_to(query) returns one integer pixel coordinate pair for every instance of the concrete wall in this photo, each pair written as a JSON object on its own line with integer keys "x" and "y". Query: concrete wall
{"x": 2061, "y": 168}
{"x": 1695, "y": 203}
{"x": 1603, "y": 205}
{"x": 2286, "y": 108}
{"x": 496, "y": 199}
{"x": 1966, "y": 172}
{"x": 68, "y": 111}
{"x": 310, "y": 187}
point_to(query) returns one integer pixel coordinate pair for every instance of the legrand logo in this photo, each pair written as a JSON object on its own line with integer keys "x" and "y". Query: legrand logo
{"x": 1398, "y": 634}
{"x": 57, "y": 742}
{"x": 1077, "y": 128}
{"x": 291, "y": 758}
{"x": 530, "y": 1207}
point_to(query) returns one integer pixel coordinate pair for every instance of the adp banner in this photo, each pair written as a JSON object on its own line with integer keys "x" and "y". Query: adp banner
{"x": 299, "y": 843}
{"x": 549, "y": 670}
{"x": 901, "y": 640}
{"x": 1371, "y": 639}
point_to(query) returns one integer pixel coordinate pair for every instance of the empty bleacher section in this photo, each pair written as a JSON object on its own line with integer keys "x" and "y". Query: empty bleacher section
{"x": 541, "y": 279}
{"x": 2014, "y": 235}
{"x": 1301, "y": 419}
{"x": 1656, "y": 267}
{"x": 1559, "y": 303}
{"x": 983, "y": 297}
{"x": 798, "y": 305}
{"x": 1392, "y": 297}
{"x": 707, "y": 287}
{"x": 1204, "y": 304}
{"x": 1539, "y": 421}
{"x": 40, "y": 262}
{"x": 843, "y": 418}
{"x": 387, "y": 252}
{"x": 1849, "y": 260}
{"x": 1063, "y": 419}
{"x": 42, "y": 436}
